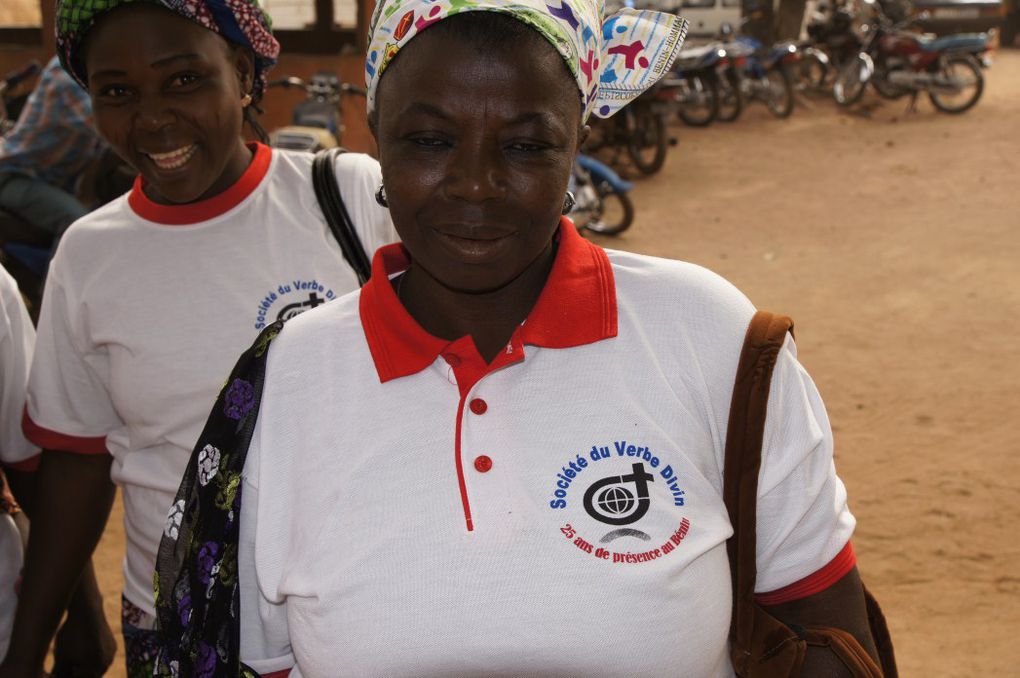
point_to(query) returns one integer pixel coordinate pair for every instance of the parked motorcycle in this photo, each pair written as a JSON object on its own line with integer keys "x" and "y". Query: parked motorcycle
{"x": 760, "y": 74}
{"x": 731, "y": 103}
{"x": 831, "y": 42}
{"x": 695, "y": 79}
{"x": 318, "y": 120}
{"x": 638, "y": 129}
{"x": 763, "y": 73}
{"x": 898, "y": 62}
{"x": 601, "y": 201}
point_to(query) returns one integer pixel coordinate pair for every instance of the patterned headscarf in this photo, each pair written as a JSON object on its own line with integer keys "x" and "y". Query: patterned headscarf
{"x": 242, "y": 22}
{"x": 613, "y": 58}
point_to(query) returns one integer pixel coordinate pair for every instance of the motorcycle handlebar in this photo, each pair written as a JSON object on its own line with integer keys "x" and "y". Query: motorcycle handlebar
{"x": 287, "y": 82}
{"x": 293, "y": 81}
{"x": 351, "y": 89}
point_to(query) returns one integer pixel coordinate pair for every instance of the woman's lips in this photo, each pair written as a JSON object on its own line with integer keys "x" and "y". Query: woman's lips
{"x": 174, "y": 159}
{"x": 475, "y": 244}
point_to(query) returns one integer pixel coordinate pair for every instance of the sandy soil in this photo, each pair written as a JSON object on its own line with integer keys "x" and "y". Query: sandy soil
{"x": 892, "y": 239}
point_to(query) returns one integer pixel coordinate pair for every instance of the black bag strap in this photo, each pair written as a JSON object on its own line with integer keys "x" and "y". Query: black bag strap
{"x": 332, "y": 204}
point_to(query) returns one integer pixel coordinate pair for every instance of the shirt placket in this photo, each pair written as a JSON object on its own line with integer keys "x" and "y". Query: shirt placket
{"x": 476, "y": 412}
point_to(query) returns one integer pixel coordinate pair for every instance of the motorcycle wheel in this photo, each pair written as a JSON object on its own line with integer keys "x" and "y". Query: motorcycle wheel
{"x": 849, "y": 86}
{"x": 615, "y": 213}
{"x": 968, "y": 73}
{"x": 886, "y": 89}
{"x": 780, "y": 101}
{"x": 812, "y": 74}
{"x": 703, "y": 111}
{"x": 731, "y": 102}
{"x": 646, "y": 139}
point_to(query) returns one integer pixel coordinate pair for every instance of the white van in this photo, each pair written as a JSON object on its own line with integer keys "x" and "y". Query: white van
{"x": 706, "y": 16}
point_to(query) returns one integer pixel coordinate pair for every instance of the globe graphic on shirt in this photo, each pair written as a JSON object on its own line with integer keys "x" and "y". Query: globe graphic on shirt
{"x": 616, "y": 500}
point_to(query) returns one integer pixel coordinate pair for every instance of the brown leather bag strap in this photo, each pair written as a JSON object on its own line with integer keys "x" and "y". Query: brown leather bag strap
{"x": 748, "y": 408}
{"x": 760, "y": 645}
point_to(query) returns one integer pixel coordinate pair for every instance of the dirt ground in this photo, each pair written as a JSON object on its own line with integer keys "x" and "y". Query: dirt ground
{"x": 892, "y": 238}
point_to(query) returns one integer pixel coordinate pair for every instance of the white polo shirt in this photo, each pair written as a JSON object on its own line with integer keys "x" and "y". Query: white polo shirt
{"x": 17, "y": 338}
{"x": 408, "y": 510}
{"x": 147, "y": 307}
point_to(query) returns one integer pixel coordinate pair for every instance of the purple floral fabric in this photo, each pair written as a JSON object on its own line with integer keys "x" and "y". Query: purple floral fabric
{"x": 240, "y": 398}
{"x": 197, "y": 600}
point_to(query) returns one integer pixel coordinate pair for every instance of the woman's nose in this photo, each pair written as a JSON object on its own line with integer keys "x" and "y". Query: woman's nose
{"x": 153, "y": 116}
{"x": 477, "y": 173}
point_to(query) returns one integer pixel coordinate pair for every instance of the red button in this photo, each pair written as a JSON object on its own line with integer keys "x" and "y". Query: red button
{"x": 451, "y": 359}
{"x": 478, "y": 406}
{"x": 483, "y": 464}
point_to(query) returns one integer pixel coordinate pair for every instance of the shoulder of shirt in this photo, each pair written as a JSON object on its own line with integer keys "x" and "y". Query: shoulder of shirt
{"x": 335, "y": 319}
{"x": 92, "y": 235}
{"x": 676, "y": 303}
{"x": 680, "y": 281}
{"x": 349, "y": 161}
{"x": 10, "y": 296}
{"x": 351, "y": 168}
{"x": 358, "y": 164}
{"x": 113, "y": 216}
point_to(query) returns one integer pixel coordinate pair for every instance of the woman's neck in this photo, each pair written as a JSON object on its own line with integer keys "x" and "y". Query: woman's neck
{"x": 490, "y": 318}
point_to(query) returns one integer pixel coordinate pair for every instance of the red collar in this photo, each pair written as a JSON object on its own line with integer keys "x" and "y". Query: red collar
{"x": 576, "y": 307}
{"x": 203, "y": 210}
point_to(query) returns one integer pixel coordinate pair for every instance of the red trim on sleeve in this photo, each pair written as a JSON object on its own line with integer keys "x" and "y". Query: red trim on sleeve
{"x": 203, "y": 210}
{"x": 30, "y": 465}
{"x": 54, "y": 440}
{"x": 837, "y": 568}
{"x": 277, "y": 674}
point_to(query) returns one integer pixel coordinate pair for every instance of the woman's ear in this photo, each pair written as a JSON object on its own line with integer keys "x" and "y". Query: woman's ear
{"x": 582, "y": 136}
{"x": 244, "y": 65}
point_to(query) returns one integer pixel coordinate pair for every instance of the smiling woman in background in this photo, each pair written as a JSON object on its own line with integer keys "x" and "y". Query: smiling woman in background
{"x": 504, "y": 457}
{"x": 150, "y": 298}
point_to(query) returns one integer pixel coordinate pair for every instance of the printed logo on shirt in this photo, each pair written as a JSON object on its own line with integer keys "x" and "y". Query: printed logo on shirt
{"x": 290, "y": 299}
{"x": 607, "y": 494}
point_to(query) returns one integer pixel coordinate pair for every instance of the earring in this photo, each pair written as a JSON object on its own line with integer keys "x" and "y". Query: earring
{"x": 380, "y": 196}
{"x": 246, "y": 101}
{"x": 568, "y": 202}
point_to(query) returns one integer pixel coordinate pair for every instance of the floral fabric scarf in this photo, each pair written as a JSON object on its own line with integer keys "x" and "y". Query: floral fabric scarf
{"x": 242, "y": 22}
{"x": 196, "y": 586}
{"x": 613, "y": 58}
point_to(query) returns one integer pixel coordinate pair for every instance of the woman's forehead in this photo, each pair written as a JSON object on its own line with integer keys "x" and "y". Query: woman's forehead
{"x": 441, "y": 68}
{"x": 148, "y": 29}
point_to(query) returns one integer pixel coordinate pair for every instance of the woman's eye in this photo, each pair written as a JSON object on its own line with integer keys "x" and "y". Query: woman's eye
{"x": 429, "y": 142}
{"x": 184, "y": 80}
{"x": 113, "y": 92}
{"x": 526, "y": 147}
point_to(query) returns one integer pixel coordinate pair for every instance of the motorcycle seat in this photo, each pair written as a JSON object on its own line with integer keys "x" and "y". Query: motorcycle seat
{"x": 963, "y": 42}
{"x": 695, "y": 57}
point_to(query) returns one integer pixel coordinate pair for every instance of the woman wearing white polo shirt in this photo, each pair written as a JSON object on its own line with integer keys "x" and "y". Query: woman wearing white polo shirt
{"x": 150, "y": 298}
{"x": 504, "y": 457}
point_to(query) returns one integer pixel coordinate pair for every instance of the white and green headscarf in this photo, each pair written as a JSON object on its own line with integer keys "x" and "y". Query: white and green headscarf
{"x": 612, "y": 58}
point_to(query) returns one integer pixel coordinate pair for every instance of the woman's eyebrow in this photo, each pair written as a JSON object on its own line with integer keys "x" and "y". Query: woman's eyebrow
{"x": 158, "y": 63}
{"x": 189, "y": 56}
{"x": 424, "y": 108}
